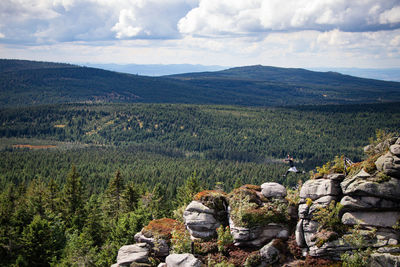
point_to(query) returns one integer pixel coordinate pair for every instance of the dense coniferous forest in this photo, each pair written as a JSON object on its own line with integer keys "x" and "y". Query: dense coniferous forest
{"x": 78, "y": 180}
{"x": 32, "y": 83}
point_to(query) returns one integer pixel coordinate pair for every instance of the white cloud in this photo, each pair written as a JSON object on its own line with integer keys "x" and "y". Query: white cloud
{"x": 223, "y": 32}
{"x": 390, "y": 16}
{"x": 252, "y": 16}
{"x": 151, "y": 18}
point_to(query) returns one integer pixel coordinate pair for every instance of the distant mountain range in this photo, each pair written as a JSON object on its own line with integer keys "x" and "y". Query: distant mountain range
{"x": 30, "y": 83}
{"x": 154, "y": 69}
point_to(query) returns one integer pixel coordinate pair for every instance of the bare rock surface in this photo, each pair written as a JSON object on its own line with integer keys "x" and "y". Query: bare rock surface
{"x": 182, "y": 260}
{"x": 269, "y": 254}
{"x": 138, "y": 253}
{"x": 378, "y": 219}
{"x": 200, "y": 220}
{"x": 273, "y": 190}
{"x": 317, "y": 188}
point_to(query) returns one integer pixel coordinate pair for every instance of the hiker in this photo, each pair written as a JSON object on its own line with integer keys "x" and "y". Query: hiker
{"x": 292, "y": 168}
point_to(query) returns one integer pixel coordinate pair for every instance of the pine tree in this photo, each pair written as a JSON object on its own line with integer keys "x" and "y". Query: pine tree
{"x": 93, "y": 225}
{"x": 114, "y": 196}
{"x": 186, "y": 192}
{"x": 41, "y": 242}
{"x": 73, "y": 195}
{"x": 53, "y": 196}
{"x": 130, "y": 198}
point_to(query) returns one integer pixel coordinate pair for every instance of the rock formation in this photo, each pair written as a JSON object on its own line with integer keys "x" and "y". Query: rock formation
{"x": 334, "y": 210}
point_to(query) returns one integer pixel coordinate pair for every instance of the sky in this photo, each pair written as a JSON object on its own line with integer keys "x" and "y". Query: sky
{"x": 285, "y": 33}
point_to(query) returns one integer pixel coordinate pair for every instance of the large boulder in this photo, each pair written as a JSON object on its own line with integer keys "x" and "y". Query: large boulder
{"x": 138, "y": 253}
{"x": 389, "y": 163}
{"x": 200, "y": 220}
{"x": 157, "y": 235}
{"x": 368, "y": 203}
{"x": 273, "y": 190}
{"x": 317, "y": 188}
{"x": 269, "y": 253}
{"x": 384, "y": 260}
{"x": 259, "y": 235}
{"x": 372, "y": 218}
{"x": 182, "y": 260}
{"x": 362, "y": 187}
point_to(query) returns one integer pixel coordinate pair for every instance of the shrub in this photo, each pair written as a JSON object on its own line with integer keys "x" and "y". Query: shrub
{"x": 359, "y": 256}
{"x": 219, "y": 263}
{"x": 328, "y": 218}
{"x": 293, "y": 195}
{"x": 294, "y": 249}
{"x": 247, "y": 214}
{"x": 214, "y": 199}
{"x": 253, "y": 260}
{"x": 311, "y": 261}
{"x": 224, "y": 238}
{"x": 181, "y": 242}
{"x": 161, "y": 228}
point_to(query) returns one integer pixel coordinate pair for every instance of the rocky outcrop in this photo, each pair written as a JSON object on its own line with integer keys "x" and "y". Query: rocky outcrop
{"x": 182, "y": 260}
{"x": 273, "y": 190}
{"x": 269, "y": 254}
{"x": 259, "y": 235}
{"x": 258, "y": 214}
{"x": 369, "y": 198}
{"x": 157, "y": 235}
{"x": 200, "y": 220}
{"x": 261, "y": 219}
{"x": 138, "y": 253}
{"x": 315, "y": 194}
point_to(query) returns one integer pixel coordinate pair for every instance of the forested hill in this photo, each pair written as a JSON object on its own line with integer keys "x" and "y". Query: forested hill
{"x": 284, "y": 86}
{"x": 31, "y": 83}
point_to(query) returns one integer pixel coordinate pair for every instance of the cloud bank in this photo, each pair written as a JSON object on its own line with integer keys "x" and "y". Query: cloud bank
{"x": 246, "y": 28}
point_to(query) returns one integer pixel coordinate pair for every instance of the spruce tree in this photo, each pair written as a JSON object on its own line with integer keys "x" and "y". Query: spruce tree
{"x": 73, "y": 205}
{"x": 114, "y": 196}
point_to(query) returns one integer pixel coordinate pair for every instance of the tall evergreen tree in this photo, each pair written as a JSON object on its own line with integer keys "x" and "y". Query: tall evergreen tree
{"x": 130, "y": 198}
{"x": 73, "y": 204}
{"x": 186, "y": 192}
{"x": 114, "y": 195}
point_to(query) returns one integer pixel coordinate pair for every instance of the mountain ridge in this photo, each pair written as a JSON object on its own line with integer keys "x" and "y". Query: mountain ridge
{"x": 25, "y": 82}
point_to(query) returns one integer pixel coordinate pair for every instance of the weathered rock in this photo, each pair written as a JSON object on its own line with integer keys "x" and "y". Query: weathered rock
{"x": 389, "y": 249}
{"x": 315, "y": 189}
{"x": 200, "y": 220}
{"x": 384, "y": 260}
{"x": 257, "y": 236}
{"x": 363, "y": 203}
{"x": 378, "y": 219}
{"x": 361, "y": 187}
{"x": 133, "y": 253}
{"x": 182, "y": 260}
{"x": 395, "y": 149}
{"x": 310, "y": 227}
{"x": 332, "y": 249}
{"x": 303, "y": 211}
{"x": 273, "y": 190}
{"x": 161, "y": 244}
{"x": 389, "y": 164}
{"x": 336, "y": 176}
{"x": 269, "y": 253}
{"x": 362, "y": 174}
{"x": 301, "y": 242}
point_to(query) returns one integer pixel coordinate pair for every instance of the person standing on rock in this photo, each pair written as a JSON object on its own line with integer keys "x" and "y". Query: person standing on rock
{"x": 292, "y": 168}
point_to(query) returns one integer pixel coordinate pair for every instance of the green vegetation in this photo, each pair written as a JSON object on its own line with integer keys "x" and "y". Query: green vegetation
{"x": 360, "y": 255}
{"x": 31, "y": 83}
{"x": 84, "y": 178}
